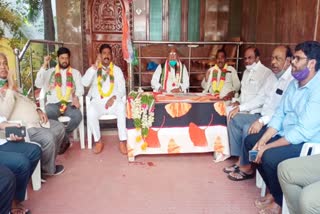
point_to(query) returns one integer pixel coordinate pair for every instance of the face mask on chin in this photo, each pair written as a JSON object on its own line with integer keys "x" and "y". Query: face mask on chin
{"x": 278, "y": 75}
{"x": 172, "y": 63}
{"x": 301, "y": 74}
{"x": 3, "y": 82}
{"x": 250, "y": 67}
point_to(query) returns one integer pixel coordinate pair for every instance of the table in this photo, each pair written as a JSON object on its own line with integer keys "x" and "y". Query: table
{"x": 184, "y": 123}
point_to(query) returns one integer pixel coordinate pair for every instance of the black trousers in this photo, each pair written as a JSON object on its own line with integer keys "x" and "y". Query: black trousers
{"x": 7, "y": 189}
{"x": 270, "y": 161}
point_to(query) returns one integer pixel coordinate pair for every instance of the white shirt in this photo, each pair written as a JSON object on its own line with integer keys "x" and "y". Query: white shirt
{"x": 90, "y": 79}
{"x": 252, "y": 81}
{"x": 2, "y": 141}
{"x": 269, "y": 95}
{"x": 184, "y": 85}
{"x": 232, "y": 82}
{"x": 45, "y": 80}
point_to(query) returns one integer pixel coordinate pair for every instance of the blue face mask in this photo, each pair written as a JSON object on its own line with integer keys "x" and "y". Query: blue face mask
{"x": 172, "y": 63}
{"x": 302, "y": 74}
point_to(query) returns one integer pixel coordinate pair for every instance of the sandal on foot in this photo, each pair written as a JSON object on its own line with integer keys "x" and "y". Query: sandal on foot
{"x": 262, "y": 203}
{"x": 232, "y": 168}
{"x": 239, "y": 175}
{"x": 270, "y": 211}
{"x": 20, "y": 210}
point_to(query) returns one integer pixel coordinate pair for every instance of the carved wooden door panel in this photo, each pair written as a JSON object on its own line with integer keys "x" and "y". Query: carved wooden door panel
{"x": 103, "y": 24}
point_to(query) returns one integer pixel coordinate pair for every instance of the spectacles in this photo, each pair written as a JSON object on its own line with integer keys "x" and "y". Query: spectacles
{"x": 172, "y": 53}
{"x": 298, "y": 58}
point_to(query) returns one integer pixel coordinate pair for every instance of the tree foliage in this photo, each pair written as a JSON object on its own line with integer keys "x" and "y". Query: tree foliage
{"x": 10, "y": 20}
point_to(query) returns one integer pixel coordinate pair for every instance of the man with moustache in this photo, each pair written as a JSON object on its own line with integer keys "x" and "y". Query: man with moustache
{"x": 63, "y": 88}
{"x": 253, "y": 77}
{"x": 172, "y": 76}
{"x": 221, "y": 80}
{"x": 295, "y": 121}
{"x": 107, "y": 88}
{"x": 269, "y": 98}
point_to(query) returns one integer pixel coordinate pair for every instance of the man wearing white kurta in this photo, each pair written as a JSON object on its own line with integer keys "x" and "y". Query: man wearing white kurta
{"x": 107, "y": 88}
{"x": 231, "y": 82}
{"x": 61, "y": 78}
{"x": 267, "y": 99}
{"x": 172, "y": 76}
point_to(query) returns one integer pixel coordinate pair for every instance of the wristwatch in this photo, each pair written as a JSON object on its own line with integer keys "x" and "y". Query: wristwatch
{"x": 261, "y": 121}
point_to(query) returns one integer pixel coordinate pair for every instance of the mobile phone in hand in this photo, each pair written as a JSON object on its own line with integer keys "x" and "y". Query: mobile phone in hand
{"x": 253, "y": 155}
{"x": 17, "y": 131}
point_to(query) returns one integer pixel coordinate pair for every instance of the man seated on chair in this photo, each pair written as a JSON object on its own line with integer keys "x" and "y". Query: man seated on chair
{"x": 300, "y": 183}
{"x": 63, "y": 88}
{"x": 172, "y": 76}
{"x": 107, "y": 89}
{"x": 221, "y": 80}
{"x": 253, "y": 77}
{"x": 16, "y": 107}
{"x": 295, "y": 121}
{"x": 21, "y": 159}
{"x": 241, "y": 124}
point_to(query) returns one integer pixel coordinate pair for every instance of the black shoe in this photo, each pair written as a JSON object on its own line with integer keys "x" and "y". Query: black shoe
{"x": 59, "y": 170}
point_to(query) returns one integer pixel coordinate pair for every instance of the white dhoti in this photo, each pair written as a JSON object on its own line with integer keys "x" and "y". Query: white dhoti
{"x": 97, "y": 109}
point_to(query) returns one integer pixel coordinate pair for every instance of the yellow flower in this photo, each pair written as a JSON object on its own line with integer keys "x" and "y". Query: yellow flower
{"x": 144, "y": 146}
{"x": 99, "y": 81}
{"x": 138, "y": 138}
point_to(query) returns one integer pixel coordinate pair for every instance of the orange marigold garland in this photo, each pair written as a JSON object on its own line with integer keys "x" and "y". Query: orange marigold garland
{"x": 69, "y": 86}
{"x": 102, "y": 77}
{"x": 216, "y": 88}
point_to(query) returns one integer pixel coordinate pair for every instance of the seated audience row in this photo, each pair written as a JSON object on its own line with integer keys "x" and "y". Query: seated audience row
{"x": 294, "y": 121}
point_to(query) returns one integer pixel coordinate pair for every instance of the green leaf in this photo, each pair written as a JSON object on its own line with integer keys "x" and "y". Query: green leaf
{"x": 144, "y": 132}
{"x": 137, "y": 123}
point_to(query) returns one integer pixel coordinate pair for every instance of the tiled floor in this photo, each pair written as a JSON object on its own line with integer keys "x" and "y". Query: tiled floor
{"x": 160, "y": 184}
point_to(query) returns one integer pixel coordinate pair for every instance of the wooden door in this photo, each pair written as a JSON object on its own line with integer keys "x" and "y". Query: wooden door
{"x": 103, "y": 24}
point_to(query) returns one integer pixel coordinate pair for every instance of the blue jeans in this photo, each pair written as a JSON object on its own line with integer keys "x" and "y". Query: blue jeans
{"x": 21, "y": 158}
{"x": 238, "y": 131}
{"x": 270, "y": 161}
{"x": 7, "y": 189}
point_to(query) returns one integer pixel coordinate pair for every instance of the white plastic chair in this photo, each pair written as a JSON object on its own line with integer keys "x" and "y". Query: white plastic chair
{"x": 65, "y": 119}
{"x": 314, "y": 148}
{"x": 103, "y": 117}
{"x": 260, "y": 184}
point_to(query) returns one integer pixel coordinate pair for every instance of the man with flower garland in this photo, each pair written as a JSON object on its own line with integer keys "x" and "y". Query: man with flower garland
{"x": 107, "y": 89}
{"x": 221, "y": 80}
{"x": 172, "y": 76}
{"x": 63, "y": 88}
